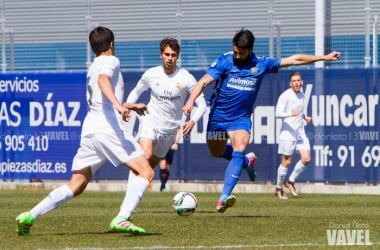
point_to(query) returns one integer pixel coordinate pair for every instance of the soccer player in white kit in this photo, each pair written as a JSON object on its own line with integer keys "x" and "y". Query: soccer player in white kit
{"x": 290, "y": 107}
{"x": 169, "y": 86}
{"x": 103, "y": 138}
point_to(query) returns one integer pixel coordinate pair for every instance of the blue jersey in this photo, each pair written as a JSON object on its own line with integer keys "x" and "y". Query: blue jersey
{"x": 236, "y": 88}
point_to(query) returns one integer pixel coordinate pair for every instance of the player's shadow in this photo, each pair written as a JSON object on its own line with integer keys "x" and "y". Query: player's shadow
{"x": 130, "y": 234}
{"x": 100, "y": 233}
{"x": 234, "y": 216}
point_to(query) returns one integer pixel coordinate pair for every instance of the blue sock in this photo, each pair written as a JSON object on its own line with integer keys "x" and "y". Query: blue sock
{"x": 228, "y": 152}
{"x": 232, "y": 174}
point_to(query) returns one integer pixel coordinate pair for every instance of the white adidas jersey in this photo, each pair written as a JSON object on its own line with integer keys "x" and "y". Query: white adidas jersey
{"x": 287, "y": 102}
{"x": 101, "y": 114}
{"x": 168, "y": 95}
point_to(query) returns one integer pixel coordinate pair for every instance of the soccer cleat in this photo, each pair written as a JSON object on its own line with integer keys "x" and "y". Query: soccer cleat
{"x": 222, "y": 206}
{"x": 280, "y": 194}
{"x": 250, "y": 168}
{"x": 290, "y": 185}
{"x": 24, "y": 223}
{"x": 122, "y": 224}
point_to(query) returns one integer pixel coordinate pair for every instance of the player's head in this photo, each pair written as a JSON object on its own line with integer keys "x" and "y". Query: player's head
{"x": 171, "y": 43}
{"x": 295, "y": 81}
{"x": 101, "y": 39}
{"x": 169, "y": 53}
{"x": 242, "y": 44}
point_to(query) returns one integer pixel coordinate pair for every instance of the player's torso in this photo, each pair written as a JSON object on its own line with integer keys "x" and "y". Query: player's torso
{"x": 237, "y": 89}
{"x": 168, "y": 94}
{"x": 104, "y": 65}
{"x": 102, "y": 116}
{"x": 295, "y": 124}
{"x": 294, "y": 100}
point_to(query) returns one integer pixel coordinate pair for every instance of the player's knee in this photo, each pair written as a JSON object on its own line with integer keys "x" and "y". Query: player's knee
{"x": 147, "y": 173}
{"x": 78, "y": 188}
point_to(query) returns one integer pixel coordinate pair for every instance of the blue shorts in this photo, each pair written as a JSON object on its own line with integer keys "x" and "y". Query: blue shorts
{"x": 217, "y": 130}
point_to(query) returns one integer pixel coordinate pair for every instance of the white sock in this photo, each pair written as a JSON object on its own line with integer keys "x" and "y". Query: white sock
{"x": 281, "y": 174}
{"x": 136, "y": 189}
{"x": 131, "y": 177}
{"x": 298, "y": 169}
{"x": 56, "y": 197}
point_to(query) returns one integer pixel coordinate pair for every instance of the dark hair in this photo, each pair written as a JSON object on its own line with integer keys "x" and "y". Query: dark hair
{"x": 295, "y": 73}
{"x": 172, "y": 43}
{"x": 244, "y": 39}
{"x": 100, "y": 39}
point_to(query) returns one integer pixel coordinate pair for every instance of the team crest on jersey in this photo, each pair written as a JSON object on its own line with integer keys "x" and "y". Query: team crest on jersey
{"x": 178, "y": 85}
{"x": 254, "y": 70}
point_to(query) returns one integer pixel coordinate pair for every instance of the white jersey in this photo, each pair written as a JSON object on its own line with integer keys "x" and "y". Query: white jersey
{"x": 292, "y": 126}
{"x": 168, "y": 95}
{"x": 102, "y": 116}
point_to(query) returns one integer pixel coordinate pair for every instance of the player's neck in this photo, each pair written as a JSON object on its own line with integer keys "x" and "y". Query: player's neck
{"x": 109, "y": 52}
{"x": 170, "y": 71}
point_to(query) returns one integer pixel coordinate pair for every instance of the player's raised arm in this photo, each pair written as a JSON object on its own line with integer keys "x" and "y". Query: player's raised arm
{"x": 302, "y": 59}
{"x": 105, "y": 86}
{"x": 197, "y": 90}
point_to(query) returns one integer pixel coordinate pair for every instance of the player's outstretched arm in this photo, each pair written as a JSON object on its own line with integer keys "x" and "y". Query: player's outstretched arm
{"x": 197, "y": 90}
{"x": 302, "y": 59}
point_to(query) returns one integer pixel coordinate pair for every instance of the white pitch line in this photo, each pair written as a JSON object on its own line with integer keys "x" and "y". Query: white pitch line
{"x": 218, "y": 247}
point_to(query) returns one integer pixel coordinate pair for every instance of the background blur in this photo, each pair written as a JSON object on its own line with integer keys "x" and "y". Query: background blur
{"x": 52, "y": 35}
{"x": 45, "y": 54}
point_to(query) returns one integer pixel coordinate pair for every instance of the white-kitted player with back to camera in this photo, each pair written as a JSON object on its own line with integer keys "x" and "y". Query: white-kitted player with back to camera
{"x": 103, "y": 138}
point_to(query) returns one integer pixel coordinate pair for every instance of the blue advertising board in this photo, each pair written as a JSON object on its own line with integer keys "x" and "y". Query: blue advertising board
{"x": 41, "y": 116}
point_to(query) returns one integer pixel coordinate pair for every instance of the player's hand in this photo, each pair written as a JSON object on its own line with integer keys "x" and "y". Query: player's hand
{"x": 126, "y": 116}
{"x": 296, "y": 112}
{"x": 124, "y": 112}
{"x": 139, "y": 108}
{"x": 174, "y": 146}
{"x": 308, "y": 119}
{"x": 333, "y": 56}
{"x": 187, "y": 127}
{"x": 187, "y": 108}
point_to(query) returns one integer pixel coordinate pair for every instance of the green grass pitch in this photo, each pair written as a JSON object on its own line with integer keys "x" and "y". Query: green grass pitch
{"x": 257, "y": 221}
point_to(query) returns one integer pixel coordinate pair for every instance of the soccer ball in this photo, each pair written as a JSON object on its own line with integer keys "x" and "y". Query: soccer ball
{"x": 184, "y": 203}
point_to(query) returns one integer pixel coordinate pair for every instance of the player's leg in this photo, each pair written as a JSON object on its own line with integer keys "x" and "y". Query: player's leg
{"x": 217, "y": 142}
{"x": 147, "y": 146}
{"x": 301, "y": 164}
{"x": 144, "y": 175}
{"x": 57, "y": 197}
{"x": 282, "y": 171}
{"x": 151, "y": 145}
{"x": 298, "y": 169}
{"x": 286, "y": 148}
{"x": 239, "y": 140}
{"x": 165, "y": 169}
{"x": 85, "y": 156}
{"x": 303, "y": 147}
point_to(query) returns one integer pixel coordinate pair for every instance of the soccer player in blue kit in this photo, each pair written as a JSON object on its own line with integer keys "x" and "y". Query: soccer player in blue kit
{"x": 238, "y": 75}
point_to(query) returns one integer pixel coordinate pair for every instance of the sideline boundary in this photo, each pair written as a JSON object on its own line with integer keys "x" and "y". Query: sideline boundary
{"x": 177, "y": 186}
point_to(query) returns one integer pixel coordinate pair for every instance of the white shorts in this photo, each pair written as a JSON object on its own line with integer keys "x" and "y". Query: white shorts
{"x": 96, "y": 149}
{"x": 162, "y": 140}
{"x": 289, "y": 146}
